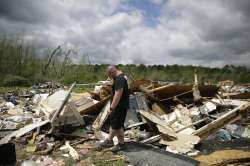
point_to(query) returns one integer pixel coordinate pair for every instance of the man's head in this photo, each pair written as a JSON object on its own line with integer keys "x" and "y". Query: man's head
{"x": 112, "y": 71}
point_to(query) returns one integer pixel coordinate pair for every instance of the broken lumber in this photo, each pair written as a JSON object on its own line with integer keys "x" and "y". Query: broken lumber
{"x": 162, "y": 125}
{"x": 227, "y": 118}
{"x": 153, "y": 117}
{"x": 226, "y": 102}
{"x": 23, "y": 131}
{"x": 144, "y": 89}
{"x": 101, "y": 118}
{"x": 192, "y": 124}
{"x": 151, "y": 139}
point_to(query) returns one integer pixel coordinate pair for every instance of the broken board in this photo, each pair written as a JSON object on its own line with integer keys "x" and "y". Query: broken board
{"x": 103, "y": 115}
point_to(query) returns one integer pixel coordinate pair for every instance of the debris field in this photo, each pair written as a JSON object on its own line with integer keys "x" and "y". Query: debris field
{"x": 167, "y": 124}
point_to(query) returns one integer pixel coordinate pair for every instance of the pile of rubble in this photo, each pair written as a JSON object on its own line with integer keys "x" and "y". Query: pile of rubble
{"x": 53, "y": 121}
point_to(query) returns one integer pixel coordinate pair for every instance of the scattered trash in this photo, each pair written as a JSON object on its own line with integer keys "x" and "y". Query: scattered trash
{"x": 223, "y": 135}
{"x": 72, "y": 152}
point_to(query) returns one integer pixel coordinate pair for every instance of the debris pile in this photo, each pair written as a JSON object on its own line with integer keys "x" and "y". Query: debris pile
{"x": 50, "y": 123}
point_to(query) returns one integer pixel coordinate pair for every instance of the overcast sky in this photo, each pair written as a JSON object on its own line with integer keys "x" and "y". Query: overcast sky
{"x": 198, "y": 32}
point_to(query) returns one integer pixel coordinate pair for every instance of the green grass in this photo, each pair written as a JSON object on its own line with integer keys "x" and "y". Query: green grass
{"x": 10, "y": 89}
{"x": 101, "y": 159}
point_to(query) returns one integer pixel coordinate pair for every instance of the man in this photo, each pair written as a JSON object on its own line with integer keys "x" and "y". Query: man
{"x": 118, "y": 109}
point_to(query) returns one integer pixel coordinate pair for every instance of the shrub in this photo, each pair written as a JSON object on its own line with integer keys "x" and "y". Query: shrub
{"x": 13, "y": 80}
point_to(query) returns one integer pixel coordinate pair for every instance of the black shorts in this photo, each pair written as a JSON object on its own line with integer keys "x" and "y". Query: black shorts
{"x": 117, "y": 118}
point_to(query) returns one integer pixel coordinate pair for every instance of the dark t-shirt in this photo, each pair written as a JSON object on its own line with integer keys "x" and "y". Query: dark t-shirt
{"x": 121, "y": 82}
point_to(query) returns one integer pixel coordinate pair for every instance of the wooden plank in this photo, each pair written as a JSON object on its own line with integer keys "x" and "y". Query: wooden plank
{"x": 22, "y": 131}
{"x": 153, "y": 117}
{"x": 245, "y": 95}
{"x": 162, "y": 125}
{"x": 226, "y": 102}
{"x": 101, "y": 118}
{"x": 195, "y": 123}
{"x": 151, "y": 139}
{"x": 159, "y": 88}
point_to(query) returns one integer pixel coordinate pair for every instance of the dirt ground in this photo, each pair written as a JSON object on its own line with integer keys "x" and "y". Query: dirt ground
{"x": 226, "y": 157}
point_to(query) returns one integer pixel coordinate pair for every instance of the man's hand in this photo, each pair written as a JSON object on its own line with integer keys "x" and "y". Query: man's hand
{"x": 110, "y": 111}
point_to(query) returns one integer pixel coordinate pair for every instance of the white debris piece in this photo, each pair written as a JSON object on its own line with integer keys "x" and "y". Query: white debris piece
{"x": 52, "y": 103}
{"x": 39, "y": 97}
{"x": 9, "y": 105}
{"x": 72, "y": 152}
{"x": 210, "y": 106}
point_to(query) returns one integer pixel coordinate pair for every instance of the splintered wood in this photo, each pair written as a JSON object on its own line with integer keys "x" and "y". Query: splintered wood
{"x": 103, "y": 115}
{"x": 227, "y": 118}
{"x": 178, "y": 129}
{"x": 23, "y": 131}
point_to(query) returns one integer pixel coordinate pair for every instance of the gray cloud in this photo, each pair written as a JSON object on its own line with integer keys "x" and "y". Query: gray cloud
{"x": 211, "y": 33}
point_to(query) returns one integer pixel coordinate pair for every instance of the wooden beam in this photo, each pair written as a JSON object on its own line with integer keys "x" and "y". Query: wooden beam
{"x": 159, "y": 88}
{"x": 148, "y": 93}
{"x": 151, "y": 139}
{"x": 23, "y": 131}
{"x": 101, "y": 118}
{"x": 197, "y": 122}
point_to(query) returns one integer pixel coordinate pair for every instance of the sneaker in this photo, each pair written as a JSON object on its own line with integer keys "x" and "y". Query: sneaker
{"x": 106, "y": 144}
{"x": 118, "y": 147}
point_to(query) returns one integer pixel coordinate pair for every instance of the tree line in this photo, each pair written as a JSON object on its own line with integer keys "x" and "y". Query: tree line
{"x": 20, "y": 65}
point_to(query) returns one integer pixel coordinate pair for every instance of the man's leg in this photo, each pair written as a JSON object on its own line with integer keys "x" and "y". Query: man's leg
{"x": 112, "y": 133}
{"x": 120, "y": 136}
{"x": 109, "y": 141}
{"x": 121, "y": 144}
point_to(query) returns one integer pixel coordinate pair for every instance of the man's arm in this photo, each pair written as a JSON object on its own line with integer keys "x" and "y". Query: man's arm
{"x": 116, "y": 99}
